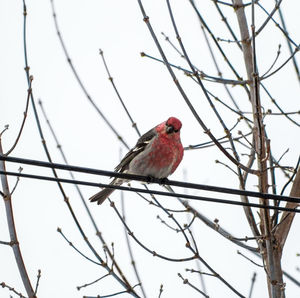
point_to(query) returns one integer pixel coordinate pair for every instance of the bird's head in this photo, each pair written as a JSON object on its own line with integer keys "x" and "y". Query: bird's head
{"x": 173, "y": 125}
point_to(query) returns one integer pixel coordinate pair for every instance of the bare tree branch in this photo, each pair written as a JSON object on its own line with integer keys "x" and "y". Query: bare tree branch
{"x": 12, "y": 231}
{"x": 287, "y": 218}
{"x": 24, "y": 117}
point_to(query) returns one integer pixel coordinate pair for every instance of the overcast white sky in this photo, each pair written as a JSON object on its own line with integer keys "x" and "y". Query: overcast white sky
{"x": 150, "y": 95}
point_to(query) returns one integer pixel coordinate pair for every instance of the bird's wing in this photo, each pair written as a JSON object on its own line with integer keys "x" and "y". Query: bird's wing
{"x": 142, "y": 142}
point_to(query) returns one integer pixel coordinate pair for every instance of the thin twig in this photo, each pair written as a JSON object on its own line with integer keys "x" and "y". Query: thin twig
{"x": 224, "y": 19}
{"x": 111, "y": 295}
{"x": 87, "y": 95}
{"x": 270, "y": 15}
{"x": 6, "y": 127}
{"x": 265, "y": 76}
{"x": 160, "y": 290}
{"x": 289, "y": 43}
{"x": 24, "y": 117}
{"x": 185, "y": 226}
{"x": 4, "y": 285}
{"x": 291, "y": 178}
{"x": 285, "y": 33}
{"x": 37, "y": 281}
{"x": 253, "y": 279}
{"x": 239, "y": 253}
{"x": 76, "y": 249}
{"x": 17, "y": 182}
{"x": 277, "y": 105}
{"x": 202, "y": 74}
{"x": 200, "y": 272}
{"x": 211, "y": 144}
{"x": 226, "y": 166}
{"x": 152, "y": 252}
{"x": 186, "y": 281}
{"x": 93, "y": 282}
{"x": 215, "y": 41}
{"x": 133, "y": 123}
{"x": 274, "y": 62}
{"x": 6, "y": 243}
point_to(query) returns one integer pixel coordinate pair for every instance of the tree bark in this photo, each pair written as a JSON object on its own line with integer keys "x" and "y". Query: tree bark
{"x": 271, "y": 253}
{"x": 12, "y": 231}
{"x": 287, "y": 218}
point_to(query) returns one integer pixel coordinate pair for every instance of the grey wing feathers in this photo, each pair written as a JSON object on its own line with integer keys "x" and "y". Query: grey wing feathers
{"x": 139, "y": 147}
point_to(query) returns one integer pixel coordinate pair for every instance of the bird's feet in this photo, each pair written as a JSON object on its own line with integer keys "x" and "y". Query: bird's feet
{"x": 163, "y": 181}
{"x": 160, "y": 181}
{"x": 151, "y": 179}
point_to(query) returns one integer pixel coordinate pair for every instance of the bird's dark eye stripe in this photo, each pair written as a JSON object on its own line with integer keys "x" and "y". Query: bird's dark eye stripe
{"x": 170, "y": 128}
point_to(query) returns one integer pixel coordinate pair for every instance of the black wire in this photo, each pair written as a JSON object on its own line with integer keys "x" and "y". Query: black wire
{"x": 155, "y": 192}
{"x": 148, "y": 179}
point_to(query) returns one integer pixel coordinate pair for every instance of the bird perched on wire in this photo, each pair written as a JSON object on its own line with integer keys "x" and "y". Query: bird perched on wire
{"x": 156, "y": 154}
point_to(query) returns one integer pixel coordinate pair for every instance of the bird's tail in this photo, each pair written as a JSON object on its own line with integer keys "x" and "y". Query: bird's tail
{"x": 100, "y": 196}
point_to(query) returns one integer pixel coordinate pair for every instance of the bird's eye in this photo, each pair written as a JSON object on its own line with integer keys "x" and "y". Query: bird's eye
{"x": 170, "y": 129}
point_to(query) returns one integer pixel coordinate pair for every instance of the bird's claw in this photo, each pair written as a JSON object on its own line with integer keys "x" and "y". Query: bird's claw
{"x": 163, "y": 181}
{"x": 150, "y": 179}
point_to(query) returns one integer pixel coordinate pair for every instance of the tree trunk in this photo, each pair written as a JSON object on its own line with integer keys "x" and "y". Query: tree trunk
{"x": 270, "y": 248}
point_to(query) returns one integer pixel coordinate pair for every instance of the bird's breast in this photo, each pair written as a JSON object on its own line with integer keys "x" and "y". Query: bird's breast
{"x": 159, "y": 159}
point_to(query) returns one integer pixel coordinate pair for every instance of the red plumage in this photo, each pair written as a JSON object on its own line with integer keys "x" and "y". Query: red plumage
{"x": 157, "y": 154}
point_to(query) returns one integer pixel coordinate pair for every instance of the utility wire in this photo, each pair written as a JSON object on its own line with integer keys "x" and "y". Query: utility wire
{"x": 154, "y": 192}
{"x": 143, "y": 179}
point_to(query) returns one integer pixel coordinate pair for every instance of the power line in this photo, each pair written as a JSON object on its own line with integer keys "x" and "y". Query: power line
{"x": 148, "y": 179}
{"x": 155, "y": 192}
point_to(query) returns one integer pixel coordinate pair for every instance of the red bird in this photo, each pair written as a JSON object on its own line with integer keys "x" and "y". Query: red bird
{"x": 156, "y": 154}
